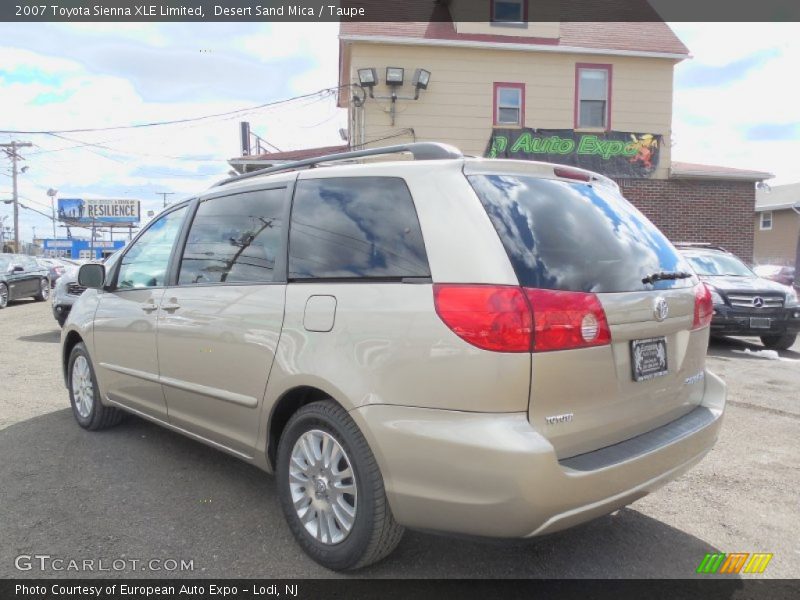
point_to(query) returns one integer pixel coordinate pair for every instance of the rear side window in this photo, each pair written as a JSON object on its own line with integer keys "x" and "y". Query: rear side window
{"x": 355, "y": 227}
{"x": 234, "y": 239}
{"x": 576, "y": 237}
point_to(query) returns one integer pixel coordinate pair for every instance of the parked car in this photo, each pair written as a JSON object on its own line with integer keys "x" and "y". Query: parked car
{"x": 780, "y": 273}
{"x": 65, "y": 292}
{"x": 56, "y": 267}
{"x": 744, "y": 303}
{"x": 485, "y": 347}
{"x": 22, "y": 277}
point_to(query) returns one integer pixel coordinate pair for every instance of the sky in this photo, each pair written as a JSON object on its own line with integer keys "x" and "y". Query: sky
{"x": 735, "y": 102}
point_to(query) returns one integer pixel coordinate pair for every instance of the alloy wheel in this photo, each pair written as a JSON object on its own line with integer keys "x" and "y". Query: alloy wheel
{"x": 82, "y": 387}
{"x": 323, "y": 487}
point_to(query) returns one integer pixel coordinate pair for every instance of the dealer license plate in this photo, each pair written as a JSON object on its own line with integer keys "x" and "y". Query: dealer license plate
{"x": 649, "y": 358}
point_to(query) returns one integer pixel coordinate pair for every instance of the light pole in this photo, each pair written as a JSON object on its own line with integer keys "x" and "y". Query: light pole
{"x": 52, "y": 192}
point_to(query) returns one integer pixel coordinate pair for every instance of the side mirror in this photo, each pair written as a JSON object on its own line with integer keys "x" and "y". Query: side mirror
{"x": 18, "y": 269}
{"x": 92, "y": 275}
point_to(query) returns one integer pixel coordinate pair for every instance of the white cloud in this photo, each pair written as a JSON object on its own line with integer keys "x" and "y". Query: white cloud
{"x": 46, "y": 91}
{"x": 710, "y": 122}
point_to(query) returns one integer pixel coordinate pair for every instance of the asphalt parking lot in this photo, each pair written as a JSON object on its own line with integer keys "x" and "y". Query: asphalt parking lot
{"x": 139, "y": 492}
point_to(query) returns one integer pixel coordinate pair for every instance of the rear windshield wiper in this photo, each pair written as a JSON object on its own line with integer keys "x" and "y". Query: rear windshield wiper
{"x": 665, "y": 276}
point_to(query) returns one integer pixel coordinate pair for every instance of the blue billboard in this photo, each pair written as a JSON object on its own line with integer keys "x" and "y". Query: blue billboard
{"x": 86, "y": 211}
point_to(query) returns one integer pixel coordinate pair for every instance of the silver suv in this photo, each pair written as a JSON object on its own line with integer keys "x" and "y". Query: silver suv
{"x": 485, "y": 347}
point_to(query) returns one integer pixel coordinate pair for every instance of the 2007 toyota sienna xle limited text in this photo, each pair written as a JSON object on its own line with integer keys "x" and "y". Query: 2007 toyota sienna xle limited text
{"x": 486, "y": 347}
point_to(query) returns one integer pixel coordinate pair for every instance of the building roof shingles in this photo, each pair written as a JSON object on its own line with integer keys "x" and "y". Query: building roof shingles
{"x": 632, "y": 37}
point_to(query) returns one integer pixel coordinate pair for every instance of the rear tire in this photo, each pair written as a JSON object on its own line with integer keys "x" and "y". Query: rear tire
{"x": 3, "y": 295}
{"x": 44, "y": 290}
{"x": 370, "y": 531}
{"x": 84, "y": 394}
{"x": 779, "y": 342}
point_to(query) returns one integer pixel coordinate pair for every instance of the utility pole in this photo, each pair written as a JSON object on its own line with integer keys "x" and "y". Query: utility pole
{"x": 164, "y": 196}
{"x": 11, "y": 151}
{"x": 52, "y": 192}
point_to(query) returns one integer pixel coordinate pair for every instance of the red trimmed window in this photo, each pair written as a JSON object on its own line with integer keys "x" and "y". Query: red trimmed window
{"x": 509, "y": 11}
{"x": 592, "y": 96}
{"x": 509, "y": 104}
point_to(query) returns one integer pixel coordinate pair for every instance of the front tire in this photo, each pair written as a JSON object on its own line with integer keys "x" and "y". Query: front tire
{"x": 44, "y": 290}
{"x": 779, "y": 342}
{"x": 84, "y": 394}
{"x": 331, "y": 489}
{"x": 3, "y": 295}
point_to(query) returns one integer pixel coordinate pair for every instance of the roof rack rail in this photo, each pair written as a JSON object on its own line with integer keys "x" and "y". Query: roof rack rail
{"x": 419, "y": 150}
{"x": 700, "y": 245}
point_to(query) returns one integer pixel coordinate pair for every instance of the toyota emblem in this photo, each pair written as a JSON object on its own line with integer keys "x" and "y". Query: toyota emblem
{"x": 758, "y": 302}
{"x": 660, "y": 309}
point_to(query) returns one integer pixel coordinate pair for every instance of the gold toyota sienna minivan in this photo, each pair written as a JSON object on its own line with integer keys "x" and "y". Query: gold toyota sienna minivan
{"x": 485, "y": 347}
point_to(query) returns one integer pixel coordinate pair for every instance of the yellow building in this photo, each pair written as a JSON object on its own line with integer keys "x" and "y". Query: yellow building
{"x": 590, "y": 94}
{"x": 777, "y": 225}
{"x": 581, "y": 77}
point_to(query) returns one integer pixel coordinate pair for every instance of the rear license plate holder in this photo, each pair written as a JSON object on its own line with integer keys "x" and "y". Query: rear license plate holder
{"x": 649, "y": 358}
{"x": 760, "y": 323}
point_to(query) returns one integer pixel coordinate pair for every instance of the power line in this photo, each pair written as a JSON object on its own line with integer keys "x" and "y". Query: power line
{"x": 322, "y": 92}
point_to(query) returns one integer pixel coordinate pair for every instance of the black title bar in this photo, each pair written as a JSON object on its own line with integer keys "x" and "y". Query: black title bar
{"x": 385, "y": 589}
{"x": 394, "y": 10}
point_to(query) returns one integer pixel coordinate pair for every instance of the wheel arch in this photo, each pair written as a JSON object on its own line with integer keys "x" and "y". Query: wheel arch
{"x": 287, "y": 404}
{"x": 72, "y": 339}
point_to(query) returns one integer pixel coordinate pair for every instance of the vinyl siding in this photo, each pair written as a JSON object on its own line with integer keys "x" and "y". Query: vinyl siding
{"x": 779, "y": 244}
{"x": 457, "y": 107}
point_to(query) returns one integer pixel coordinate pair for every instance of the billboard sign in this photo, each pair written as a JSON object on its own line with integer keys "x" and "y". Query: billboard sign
{"x": 621, "y": 154}
{"x": 98, "y": 210}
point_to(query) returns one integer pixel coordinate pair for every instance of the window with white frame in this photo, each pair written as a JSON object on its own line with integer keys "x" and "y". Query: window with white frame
{"x": 509, "y": 11}
{"x": 766, "y": 220}
{"x": 594, "y": 85}
{"x": 509, "y": 104}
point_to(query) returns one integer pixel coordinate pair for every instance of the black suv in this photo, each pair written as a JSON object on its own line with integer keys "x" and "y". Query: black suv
{"x": 744, "y": 303}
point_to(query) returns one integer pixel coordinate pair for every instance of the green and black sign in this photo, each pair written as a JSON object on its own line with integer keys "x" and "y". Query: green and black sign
{"x": 613, "y": 153}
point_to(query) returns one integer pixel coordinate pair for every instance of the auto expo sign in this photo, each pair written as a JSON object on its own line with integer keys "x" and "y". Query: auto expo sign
{"x": 98, "y": 210}
{"x": 612, "y": 153}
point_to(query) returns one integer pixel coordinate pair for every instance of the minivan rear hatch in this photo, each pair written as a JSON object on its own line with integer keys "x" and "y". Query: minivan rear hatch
{"x": 576, "y": 244}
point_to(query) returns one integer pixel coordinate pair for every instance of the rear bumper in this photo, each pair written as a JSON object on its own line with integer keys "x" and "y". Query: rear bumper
{"x": 737, "y": 322}
{"x": 495, "y": 475}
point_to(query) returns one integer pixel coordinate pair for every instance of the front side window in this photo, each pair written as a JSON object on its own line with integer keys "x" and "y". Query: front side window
{"x": 355, "y": 227}
{"x": 234, "y": 239}
{"x": 766, "y": 220}
{"x": 509, "y": 104}
{"x": 593, "y": 93}
{"x": 146, "y": 261}
{"x": 509, "y": 11}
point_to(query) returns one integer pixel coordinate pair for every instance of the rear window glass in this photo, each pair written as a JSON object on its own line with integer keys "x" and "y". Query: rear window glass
{"x": 576, "y": 237}
{"x": 355, "y": 227}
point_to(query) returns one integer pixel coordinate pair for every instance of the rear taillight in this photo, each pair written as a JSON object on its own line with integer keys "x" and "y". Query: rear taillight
{"x": 564, "y": 320}
{"x": 512, "y": 319}
{"x": 491, "y": 317}
{"x": 703, "y": 306}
